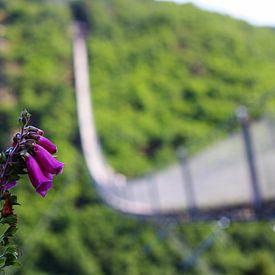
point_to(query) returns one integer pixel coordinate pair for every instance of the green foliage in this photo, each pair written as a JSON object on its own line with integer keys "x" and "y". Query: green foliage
{"x": 262, "y": 263}
{"x": 163, "y": 76}
{"x": 176, "y": 72}
{"x": 8, "y": 220}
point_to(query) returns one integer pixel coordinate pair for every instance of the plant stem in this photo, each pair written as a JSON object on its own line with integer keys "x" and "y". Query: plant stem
{"x": 11, "y": 154}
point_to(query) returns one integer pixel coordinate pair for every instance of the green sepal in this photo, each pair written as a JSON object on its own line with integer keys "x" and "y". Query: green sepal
{"x": 10, "y": 231}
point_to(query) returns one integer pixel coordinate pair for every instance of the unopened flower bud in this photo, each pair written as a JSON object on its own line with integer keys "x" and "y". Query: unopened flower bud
{"x": 16, "y": 138}
{"x": 24, "y": 118}
{"x": 35, "y": 129}
{"x": 32, "y": 135}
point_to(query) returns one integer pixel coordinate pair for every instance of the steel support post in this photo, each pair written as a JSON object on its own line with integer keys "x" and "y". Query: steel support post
{"x": 243, "y": 118}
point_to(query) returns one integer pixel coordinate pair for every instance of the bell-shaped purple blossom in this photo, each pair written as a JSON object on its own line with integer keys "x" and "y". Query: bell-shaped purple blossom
{"x": 47, "y": 162}
{"x": 47, "y": 144}
{"x": 40, "y": 181}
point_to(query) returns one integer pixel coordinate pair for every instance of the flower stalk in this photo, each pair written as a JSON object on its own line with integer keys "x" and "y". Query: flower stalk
{"x": 30, "y": 153}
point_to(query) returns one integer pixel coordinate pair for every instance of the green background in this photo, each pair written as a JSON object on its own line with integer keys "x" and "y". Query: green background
{"x": 163, "y": 76}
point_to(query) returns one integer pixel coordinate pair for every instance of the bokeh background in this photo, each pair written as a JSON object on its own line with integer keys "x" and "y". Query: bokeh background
{"x": 163, "y": 76}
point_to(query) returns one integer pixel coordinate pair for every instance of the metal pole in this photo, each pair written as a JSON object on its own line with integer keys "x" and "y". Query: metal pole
{"x": 187, "y": 181}
{"x": 243, "y": 118}
{"x": 154, "y": 193}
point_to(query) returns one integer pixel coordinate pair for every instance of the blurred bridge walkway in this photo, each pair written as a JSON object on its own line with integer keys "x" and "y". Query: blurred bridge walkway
{"x": 235, "y": 177}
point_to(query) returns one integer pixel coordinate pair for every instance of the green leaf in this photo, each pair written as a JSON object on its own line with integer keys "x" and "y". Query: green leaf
{"x": 14, "y": 200}
{"x": 10, "y": 231}
{"x": 14, "y": 177}
{"x": 3, "y": 157}
{"x": 10, "y": 259}
{"x": 16, "y": 264}
{"x": 4, "y": 241}
{"x": 11, "y": 249}
{"x": 11, "y": 219}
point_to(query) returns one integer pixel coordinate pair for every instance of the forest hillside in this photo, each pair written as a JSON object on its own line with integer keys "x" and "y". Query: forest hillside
{"x": 163, "y": 76}
{"x": 178, "y": 72}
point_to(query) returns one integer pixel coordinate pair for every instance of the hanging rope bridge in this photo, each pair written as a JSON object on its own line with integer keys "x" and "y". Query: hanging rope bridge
{"x": 233, "y": 178}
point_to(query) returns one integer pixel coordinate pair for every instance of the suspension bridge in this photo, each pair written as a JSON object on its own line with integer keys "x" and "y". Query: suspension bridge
{"x": 232, "y": 178}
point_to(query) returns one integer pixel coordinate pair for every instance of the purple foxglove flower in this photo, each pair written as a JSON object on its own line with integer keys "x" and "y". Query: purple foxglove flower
{"x": 40, "y": 181}
{"x": 9, "y": 185}
{"x": 47, "y": 162}
{"x": 47, "y": 144}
